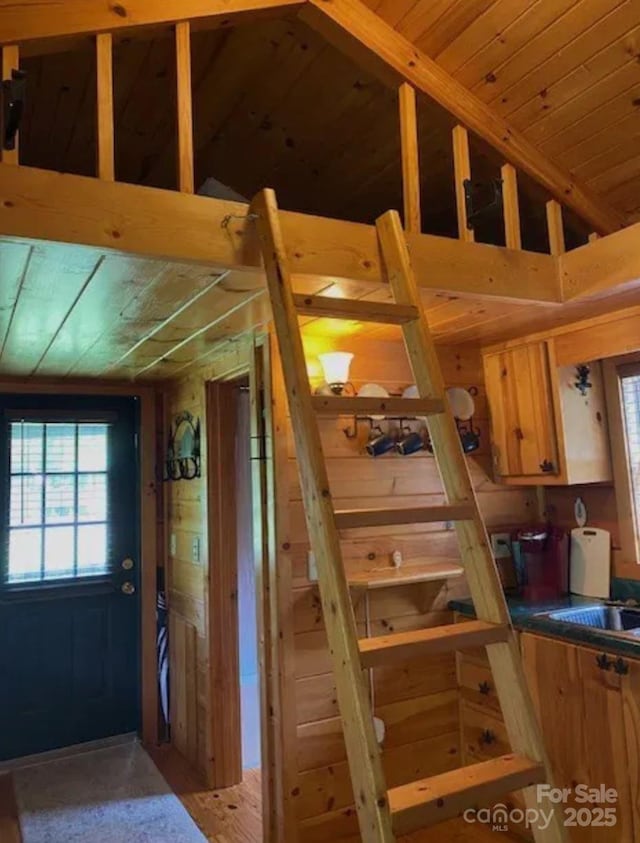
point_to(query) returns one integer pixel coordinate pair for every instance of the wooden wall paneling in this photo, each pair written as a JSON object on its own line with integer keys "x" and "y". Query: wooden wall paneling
{"x": 9, "y": 814}
{"x": 10, "y": 62}
{"x": 104, "y": 99}
{"x": 224, "y": 677}
{"x": 555, "y": 227}
{"x": 184, "y": 104}
{"x": 513, "y": 238}
{"x": 462, "y": 168}
{"x": 410, "y": 157}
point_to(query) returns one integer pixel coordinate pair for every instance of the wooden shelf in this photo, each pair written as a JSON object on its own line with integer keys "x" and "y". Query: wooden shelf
{"x": 414, "y": 572}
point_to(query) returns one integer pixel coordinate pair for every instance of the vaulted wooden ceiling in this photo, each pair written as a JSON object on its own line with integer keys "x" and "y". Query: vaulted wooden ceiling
{"x": 564, "y": 72}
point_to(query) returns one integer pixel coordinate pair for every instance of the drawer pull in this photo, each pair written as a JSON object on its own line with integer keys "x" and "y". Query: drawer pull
{"x": 604, "y": 662}
{"x": 620, "y": 667}
{"x": 484, "y": 688}
{"x": 487, "y": 737}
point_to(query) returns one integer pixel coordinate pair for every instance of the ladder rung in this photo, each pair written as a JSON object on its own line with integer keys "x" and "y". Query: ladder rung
{"x": 404, "y": 407}
{"x": 349, "y": 518}
{"x": 430, "y": 801}
{"x": 405, "y": 646}
{"x": 362, "y": 311}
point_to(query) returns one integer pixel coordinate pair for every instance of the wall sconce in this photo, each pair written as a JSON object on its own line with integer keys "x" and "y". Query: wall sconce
{"x": 183, "y": 449}
{"x": 583, "y": 384}
{"x": 463, "y": 407}
{"x": 335, "y": 366}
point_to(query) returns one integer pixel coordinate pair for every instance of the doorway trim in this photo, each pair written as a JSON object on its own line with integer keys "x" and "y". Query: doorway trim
{"x": 148, "y": 532}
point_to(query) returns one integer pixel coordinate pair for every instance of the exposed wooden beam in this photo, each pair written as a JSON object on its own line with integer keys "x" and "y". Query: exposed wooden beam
{"x": 10, "y": 61}
{"x": 603, "y": 267}
{"x": 33, "y": 19}
{"x": 361, "y": 33}
{"x": 511, "y": 205}
{"x": 46, "y": 205}
{"x": 462, "y": 173}
{"x": 105, "y": 131}
{"x": 555, "y": 227}
{"x": 410, "y": 158}
{"x": 185, "y": 109}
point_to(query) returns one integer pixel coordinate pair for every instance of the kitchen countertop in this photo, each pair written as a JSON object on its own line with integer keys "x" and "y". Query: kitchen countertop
{"x": 525, "y": 616}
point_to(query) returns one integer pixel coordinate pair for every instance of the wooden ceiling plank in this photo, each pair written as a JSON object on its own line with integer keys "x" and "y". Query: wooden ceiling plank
{"x": 184, "y": 107}
{"x": 602, "y": 90}
{"x": 555, "y": 227}
{"x": 14, "y": 262}
{"x": 10, "y": 62}
{"x": 598, "y": 51}
{"x": 597, "y": 146}
{"x": 105, "y": 132}
{"x": 189, "y": 228}
{"x": 449, "y": 25}
{"x": 354, "y": 29}
{"x": 462, "y": 168}
{"x": 563, "y": 21}
{"x": 34, "y": 19}
{"x": 55, "y": 278}
{"x": 513, "y": 237}
{"x": 410, "y": 157}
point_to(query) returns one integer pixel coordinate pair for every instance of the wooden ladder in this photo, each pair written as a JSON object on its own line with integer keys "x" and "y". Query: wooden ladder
{"x": 384, "y": 813}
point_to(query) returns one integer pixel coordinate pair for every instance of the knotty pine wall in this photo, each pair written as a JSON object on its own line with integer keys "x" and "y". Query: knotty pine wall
{"x": 418, "y": 702}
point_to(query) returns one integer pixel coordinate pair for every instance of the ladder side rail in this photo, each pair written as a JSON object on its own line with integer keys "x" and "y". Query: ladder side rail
{"x": 367, "y": 776}
{"x": 480, "y": 568}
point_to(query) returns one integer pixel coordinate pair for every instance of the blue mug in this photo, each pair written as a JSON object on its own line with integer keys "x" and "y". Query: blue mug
{"x": 409, "y": 444}
{"x": 380, "y": 444}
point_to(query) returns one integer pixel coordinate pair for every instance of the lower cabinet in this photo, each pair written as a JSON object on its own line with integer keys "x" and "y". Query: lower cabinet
{"x": 588, "y": 704}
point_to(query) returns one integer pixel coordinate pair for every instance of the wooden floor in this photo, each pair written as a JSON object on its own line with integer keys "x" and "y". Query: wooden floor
{"x": 233, "y": 815}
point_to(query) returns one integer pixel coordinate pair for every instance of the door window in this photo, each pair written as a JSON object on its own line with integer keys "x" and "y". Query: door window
{"x": 58, "y": 501}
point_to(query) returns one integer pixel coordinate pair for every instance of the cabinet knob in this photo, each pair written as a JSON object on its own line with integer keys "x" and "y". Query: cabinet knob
{"x": 487, "y": 737}
{"x": 604, "y": 662}
{"x": 484, "y": 688}
{"x": 620, "y": 666}
{"x": 546, "y": 466}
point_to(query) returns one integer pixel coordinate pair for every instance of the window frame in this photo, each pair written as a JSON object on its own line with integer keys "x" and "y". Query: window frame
{"x": 90, "y": 583}
{"x": 614, "y": 371}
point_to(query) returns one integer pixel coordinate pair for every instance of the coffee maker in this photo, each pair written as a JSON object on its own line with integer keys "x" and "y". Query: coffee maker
{"x": 542, "y": 568}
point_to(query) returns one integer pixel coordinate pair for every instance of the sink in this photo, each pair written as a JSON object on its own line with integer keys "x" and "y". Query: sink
{"x": 612, "y": 618}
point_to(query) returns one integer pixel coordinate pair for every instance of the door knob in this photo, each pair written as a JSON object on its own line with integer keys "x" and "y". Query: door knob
{"x": 128, "y": 587}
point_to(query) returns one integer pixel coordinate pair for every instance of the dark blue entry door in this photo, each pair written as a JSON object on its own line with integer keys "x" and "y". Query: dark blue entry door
{"x": 69, "y": 607}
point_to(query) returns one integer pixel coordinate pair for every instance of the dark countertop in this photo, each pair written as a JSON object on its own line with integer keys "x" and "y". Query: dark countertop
{"x": 526, "y": 616}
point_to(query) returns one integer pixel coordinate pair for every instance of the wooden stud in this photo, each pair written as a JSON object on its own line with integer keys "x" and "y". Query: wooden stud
{"x": 104, "y": 75}
{"x": 462, "y": 172}
{"x": 185, "y": 107}
{"x": 513, "y": 238}
{"x": 555, "y": 228}
{"x": 362, "y": 748}
{"x": 410, "y": 152}
{"x": 10, "y": 61}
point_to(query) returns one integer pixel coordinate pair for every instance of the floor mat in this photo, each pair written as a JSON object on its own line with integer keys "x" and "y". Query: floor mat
{"x": 113, "y": 795}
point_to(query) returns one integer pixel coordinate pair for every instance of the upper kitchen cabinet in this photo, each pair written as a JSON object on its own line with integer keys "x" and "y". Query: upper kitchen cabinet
{"x": 548, "y": 422}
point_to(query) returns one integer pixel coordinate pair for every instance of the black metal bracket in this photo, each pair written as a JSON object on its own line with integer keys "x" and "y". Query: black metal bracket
{"x": 13, "y": 97}
{"x": 494, "y": 205}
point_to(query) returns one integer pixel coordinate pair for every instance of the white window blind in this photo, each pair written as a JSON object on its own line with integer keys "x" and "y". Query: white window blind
{"x": 631, "y": 408}
{"x": 58, "y": 502}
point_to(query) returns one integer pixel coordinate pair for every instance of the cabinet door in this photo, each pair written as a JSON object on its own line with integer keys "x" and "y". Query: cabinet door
{"x": 522, "y": 421}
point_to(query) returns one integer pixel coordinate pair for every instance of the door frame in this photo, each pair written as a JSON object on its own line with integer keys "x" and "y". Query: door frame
{"x": 224, "y": 668}
{"x": 150, "y": 495}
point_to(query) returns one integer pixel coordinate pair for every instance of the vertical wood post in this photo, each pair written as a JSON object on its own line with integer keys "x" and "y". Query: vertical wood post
{"x": 462, "y": 171}
{"x": 554, "y": 225}
{"x": 513, "y": 238}
{"x": 10, "y": 61}
{"x": 185, "y": 107}
{"x": 104, "y": 75}
{"x": 410, "y": 158}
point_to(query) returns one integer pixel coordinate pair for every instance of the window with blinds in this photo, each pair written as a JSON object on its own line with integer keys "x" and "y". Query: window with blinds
{"x": 631, "y": 410}
{"x": 58, "y": 501}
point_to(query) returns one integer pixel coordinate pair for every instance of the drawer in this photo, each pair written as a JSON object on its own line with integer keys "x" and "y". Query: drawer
{"x": 483, "y": 732}
{"x": 476, "y": 684}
